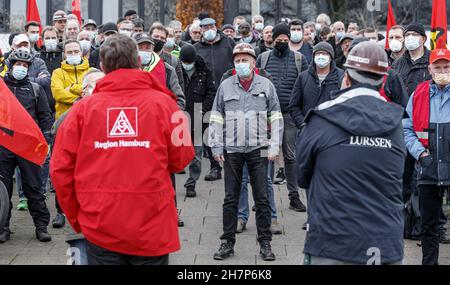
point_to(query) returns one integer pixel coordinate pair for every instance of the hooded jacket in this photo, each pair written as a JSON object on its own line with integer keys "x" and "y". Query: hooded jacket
{"x": 308, "y": 93}
{"x": 67, "y": 84}
{"x": 115, "y": 150}
{"x": 351, "y": 155}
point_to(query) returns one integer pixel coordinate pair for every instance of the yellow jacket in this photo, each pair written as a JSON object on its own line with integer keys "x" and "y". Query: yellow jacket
{"x": 67, "y": 84}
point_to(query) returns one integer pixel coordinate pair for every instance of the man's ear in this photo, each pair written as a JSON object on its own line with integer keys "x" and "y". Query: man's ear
{"x": 101, "y": 67}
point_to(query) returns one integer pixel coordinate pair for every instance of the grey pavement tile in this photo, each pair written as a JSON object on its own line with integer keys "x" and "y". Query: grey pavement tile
{"x": 234, "y": 260}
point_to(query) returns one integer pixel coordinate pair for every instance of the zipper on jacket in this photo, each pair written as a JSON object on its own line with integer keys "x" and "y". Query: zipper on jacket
{"x": 76, "y": 77}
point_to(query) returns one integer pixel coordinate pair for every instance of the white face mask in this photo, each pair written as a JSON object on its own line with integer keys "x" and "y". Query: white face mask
{"x": 170, "y": 43}
{"x": 313, "y": 36}
{"x": 126, "y": 33}
{"x": 296, "y": 36}
{"x": 412, "y": 42}
{"x": 188, "y": 67}
{"x": 322, "y": 60}
{"x": 33, "y": 37}
{"x": 24, "y": 49}
{"x": 19, "y": 72}
{"x": 73, "y": 59}
{"x": 93, "y": 34}
{"x": 85, "y": 46}
{"x": 395, "y": 45}
{"x": 318, "y": 26}
{"x": 51, "y": 45}
{"x": 210, "y": 35}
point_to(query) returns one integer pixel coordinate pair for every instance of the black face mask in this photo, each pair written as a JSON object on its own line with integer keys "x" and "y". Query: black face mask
{"x": 281, "y": 46}
{"x": 158, "y": 45}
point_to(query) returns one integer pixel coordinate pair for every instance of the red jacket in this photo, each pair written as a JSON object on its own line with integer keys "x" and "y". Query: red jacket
{"x": 112, "y": 161}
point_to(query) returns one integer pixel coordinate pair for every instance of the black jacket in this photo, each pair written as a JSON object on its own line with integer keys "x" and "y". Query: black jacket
{"x": 308, "y": 93}
{"x": 94, "y": 59}
{"x": 199, "y": 89}
{"x": 413, "y": 73}
{"x": 35, "y": 104}
{"x": 218, "y": 56}
{"x": 52, "y": 61}
{"x": 307, "y": 51}
{"x": 351, "y": 155}
{"x": 283, "y": 69}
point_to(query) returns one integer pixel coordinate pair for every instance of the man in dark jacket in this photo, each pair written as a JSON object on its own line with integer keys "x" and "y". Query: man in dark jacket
{"x": 427, "y": 136}
{"x": 217, "y": 51}
{"x": 200, "y": 92}
{"x": 413, "y": 65}
{"x": 106, "y": 31}
{"x": 34, "y": 100}
{"x": 351, "y": 154}
{"x": 315, "y": 86}
{"x": 266, "y": 43}
{"x": 284, "y": 66}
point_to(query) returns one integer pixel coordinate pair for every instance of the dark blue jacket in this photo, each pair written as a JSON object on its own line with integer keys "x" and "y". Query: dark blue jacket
{"x": 308, "y": 93}
{"x": 351, "y": 154}
{"x": 307, "y": 51}
{"x": 284, "y": 73}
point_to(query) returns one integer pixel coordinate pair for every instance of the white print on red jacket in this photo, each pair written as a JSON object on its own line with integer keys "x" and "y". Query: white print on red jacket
{"x": 122, "y": 123}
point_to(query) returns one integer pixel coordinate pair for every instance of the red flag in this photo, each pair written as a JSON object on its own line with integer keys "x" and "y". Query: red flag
{"x": 439, "y": 25}
{"x": 76, "y": 10}
{"x": 18, "y": 131}
{"x": 33, "y": 15}
{"x": 390, "y": 22}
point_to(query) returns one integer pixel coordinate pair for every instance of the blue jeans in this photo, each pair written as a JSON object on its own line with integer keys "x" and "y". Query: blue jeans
{"x": 243, "y": 199}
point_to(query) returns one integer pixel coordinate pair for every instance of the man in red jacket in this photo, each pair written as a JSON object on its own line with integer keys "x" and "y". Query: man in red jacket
{"x": 116, "y": 150}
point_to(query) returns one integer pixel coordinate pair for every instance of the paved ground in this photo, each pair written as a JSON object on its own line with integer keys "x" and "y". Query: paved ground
{"x": 200, "y": 236}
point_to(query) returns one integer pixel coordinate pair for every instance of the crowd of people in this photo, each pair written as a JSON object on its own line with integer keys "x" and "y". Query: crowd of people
{"x": 318, "y": 105}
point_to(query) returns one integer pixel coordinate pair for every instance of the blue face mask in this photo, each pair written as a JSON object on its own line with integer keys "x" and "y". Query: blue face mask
{"x": 243, "y": 69}
{"x": 340, "y": 35}
{"x": 19, "y": 72}
{"x": 170, "y": 43}
{"x": 188, "y": 67}
{"x": 73, "y": 59}
{"x": 210, "y": 35}
{"x": 247, "y": 39}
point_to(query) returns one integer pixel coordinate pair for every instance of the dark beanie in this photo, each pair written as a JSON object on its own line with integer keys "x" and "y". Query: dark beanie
{"x": 281, "y": 29}
{"x": 416, "y": 27}
{"x": 324, "y": 46}
{"x": 188, "y": 53}
{"x": 130, "y": 13}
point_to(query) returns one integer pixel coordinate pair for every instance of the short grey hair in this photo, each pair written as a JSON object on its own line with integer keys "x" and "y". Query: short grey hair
{"x": 325, "y": 18}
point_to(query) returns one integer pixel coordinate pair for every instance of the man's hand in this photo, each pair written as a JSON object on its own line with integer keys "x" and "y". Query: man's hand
{"x": 219, "y": 158}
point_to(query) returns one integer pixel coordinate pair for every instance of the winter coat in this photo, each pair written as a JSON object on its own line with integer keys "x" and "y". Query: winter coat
{"x": 308, "y": 93}
{"x": 218, "y": 56}
{"x": 351, "y": 155}
{"x": 115, "y": 150}
{"x": 52, "y": 61}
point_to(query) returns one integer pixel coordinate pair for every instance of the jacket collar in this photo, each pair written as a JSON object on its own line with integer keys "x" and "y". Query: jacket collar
{"x": 423, "y": 60}
{"x": 257, "y": 80}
